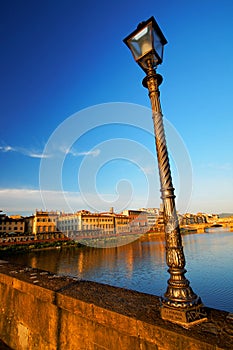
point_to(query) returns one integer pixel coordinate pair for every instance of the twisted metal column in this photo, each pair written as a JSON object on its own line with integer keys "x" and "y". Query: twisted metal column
{"x": 179, "y": 304}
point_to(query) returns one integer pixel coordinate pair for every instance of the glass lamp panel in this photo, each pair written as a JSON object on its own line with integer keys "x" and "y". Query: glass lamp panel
{"x": 141, "y": 43}
{"x": 158, "y": 46}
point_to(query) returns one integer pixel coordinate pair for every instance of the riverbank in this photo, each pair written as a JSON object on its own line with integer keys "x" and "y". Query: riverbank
{"x": 102, "y": 242}
{"x": 35, "y": 246}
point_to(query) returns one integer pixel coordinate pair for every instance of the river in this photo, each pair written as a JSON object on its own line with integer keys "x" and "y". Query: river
{"x": 141, "y": 265}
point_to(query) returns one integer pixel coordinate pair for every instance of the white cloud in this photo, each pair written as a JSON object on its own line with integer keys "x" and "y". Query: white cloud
{"x": 6, "y": 149}
{"x": 26, "y": 152}
{"x": 38, "y": 154}
{"x": 93, "y": 153}
{"x": 75, "y": 153}
{"x": 26, "y": 201}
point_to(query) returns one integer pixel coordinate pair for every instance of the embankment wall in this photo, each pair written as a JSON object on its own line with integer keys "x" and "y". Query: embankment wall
{"x": 39, "y": 310}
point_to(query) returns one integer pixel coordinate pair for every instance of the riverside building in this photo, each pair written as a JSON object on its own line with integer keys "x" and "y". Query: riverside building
{"x": 42, "y": 222}
{"x": 11, "y": 224}
{"x": 92, "y": 223}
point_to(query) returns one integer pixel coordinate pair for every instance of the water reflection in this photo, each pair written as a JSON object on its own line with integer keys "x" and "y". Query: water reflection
{"x": 209, "y": 265}
{"x": 141, "y": 265}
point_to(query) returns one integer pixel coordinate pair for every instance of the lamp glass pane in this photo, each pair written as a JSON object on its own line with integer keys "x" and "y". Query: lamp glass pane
{"x": 141, "y": 43}
{"x": 158, "y": 46}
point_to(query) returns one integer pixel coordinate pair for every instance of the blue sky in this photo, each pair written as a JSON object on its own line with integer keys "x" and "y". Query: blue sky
{"x": 59, "y": 58}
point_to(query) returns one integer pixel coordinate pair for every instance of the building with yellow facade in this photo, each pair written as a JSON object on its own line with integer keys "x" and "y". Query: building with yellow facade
{"x": 11, "y": 224}
{"x": 41, "y": 222}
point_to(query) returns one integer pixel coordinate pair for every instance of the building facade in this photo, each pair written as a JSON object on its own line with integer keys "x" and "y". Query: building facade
{"x": 137, "y": 220}
{"x": 92, "y": 223}
{"x": 42, "y": 222}
{"x": 11, "y": 224}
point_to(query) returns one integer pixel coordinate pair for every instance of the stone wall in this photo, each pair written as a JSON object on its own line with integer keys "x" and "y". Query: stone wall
{"x": 39, "y": 310}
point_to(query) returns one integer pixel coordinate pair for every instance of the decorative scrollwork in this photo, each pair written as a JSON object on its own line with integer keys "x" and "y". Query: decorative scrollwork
{"x": 175, "y": 257}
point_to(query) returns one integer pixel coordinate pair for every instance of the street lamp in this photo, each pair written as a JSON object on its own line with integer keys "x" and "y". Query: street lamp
{"x": 179, "y": 303}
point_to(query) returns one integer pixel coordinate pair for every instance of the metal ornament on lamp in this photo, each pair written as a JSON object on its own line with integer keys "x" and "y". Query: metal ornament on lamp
{"x": 179, "y": 303}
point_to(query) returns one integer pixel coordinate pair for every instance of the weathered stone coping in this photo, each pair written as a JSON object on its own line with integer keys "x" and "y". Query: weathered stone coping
{"x": 134, "y": 317}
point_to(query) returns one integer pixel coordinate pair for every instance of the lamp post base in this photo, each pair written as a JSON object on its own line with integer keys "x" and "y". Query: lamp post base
{"x": 185, "y": 317}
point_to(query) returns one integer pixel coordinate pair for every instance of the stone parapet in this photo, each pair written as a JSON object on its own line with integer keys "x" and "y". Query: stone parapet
{"x": 40, "y": 310}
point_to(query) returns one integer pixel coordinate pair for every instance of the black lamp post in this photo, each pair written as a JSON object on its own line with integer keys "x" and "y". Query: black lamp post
{"x": 179, "y": 304}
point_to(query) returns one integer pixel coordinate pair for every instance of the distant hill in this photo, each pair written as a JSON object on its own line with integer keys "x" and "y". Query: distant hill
{"x": 225, "y": 215}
